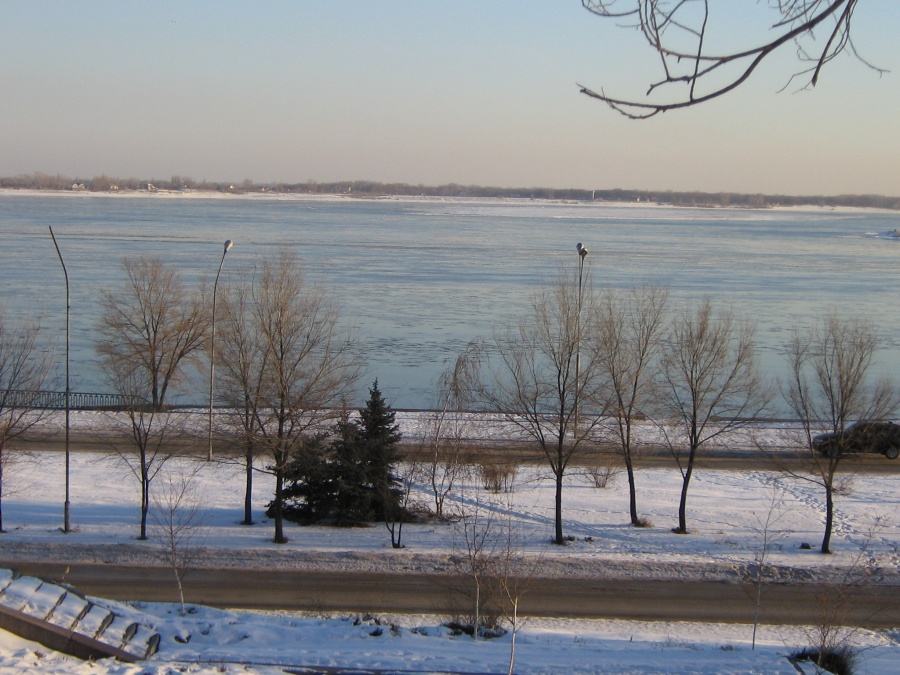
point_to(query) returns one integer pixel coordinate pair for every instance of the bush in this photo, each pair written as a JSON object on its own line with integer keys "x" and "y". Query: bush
{"x": 498, "y": 475}
{"x": 837, "y": 660}
{"x": 601, "y": 475}
{"x": 489, "y": 627}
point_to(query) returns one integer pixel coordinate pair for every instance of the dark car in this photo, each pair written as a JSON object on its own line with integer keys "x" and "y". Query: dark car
{"x": 880, "y": 437}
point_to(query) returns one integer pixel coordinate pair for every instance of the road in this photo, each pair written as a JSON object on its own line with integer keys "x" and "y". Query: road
{"x": 738, "y": 459}
{"x": 645, "y": 600}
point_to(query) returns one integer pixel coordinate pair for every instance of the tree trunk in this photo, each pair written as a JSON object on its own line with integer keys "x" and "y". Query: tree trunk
{"x": 515, "y": 630}
{"x": 559, "y": 528}
{"x": 180, "y": 591}
{"x": 682, "y": 505}
{"x": 145, "y": 503}
{"x": 396, "y": 530}
{"x": 248, "y": 491}
{"x": 279, "y": 500}
{"x": 1, "y": 489}
{"x": 477, "y": 607}
{"x": 632, "y": 491}
{"x": 829, "y": 515}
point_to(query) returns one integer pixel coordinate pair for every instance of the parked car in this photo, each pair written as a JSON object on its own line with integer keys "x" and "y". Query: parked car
{"x": 880, "y": 437}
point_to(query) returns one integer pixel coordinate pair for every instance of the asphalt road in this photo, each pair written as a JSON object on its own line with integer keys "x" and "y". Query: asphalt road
{"x": 873, "y": 606}
{"x": 738, "y": 459}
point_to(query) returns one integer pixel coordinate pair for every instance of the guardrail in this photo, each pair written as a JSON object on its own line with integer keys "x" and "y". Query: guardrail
{"x": 56, "y": 400}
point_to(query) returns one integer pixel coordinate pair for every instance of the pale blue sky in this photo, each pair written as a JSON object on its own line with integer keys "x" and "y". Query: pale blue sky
{"x": 473, "y": 92}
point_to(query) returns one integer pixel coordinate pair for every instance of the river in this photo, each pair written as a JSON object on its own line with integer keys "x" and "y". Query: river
{"x": 420, "y": 278}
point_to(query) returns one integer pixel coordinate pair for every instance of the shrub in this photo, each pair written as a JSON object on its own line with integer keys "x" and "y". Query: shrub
{"x": 837, "y": 660}
{"x": 489, "y": 626}
{"x": 601, "y": 475}
{"x": 498, "y": 475}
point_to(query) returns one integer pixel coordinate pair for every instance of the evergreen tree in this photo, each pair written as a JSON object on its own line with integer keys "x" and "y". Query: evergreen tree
{"x": 351, "y": 493}
{"x": 308, "y": 494}
{"x": 379, "y": 437}
{"x": 348, "y": 476}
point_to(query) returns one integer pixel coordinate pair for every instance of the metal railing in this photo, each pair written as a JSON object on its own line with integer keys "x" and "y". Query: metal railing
{"x": 56, "y": 400}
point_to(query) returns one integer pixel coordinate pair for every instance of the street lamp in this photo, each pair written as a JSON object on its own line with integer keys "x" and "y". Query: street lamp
{"x": 582, "y": 254}
{"x": 66, "y": 521}
{"x": 212, "y": 348}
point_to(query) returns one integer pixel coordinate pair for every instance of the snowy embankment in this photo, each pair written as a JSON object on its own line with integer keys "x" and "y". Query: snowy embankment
{"x": 726, "y": 514}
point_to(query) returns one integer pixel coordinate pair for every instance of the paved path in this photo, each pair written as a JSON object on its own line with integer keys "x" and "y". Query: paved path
{"x": 738, "y": 459}
{"x": 445, "y": 594}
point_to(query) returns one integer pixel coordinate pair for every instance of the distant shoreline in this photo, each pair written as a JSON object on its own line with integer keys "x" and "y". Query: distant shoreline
{"x": 344, "y": 197}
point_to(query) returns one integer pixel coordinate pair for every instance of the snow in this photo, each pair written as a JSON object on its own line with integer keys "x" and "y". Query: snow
{"x": 726, "y": 512}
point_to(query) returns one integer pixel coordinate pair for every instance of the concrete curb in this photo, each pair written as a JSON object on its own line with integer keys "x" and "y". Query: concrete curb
{"x": 52, "y": 614}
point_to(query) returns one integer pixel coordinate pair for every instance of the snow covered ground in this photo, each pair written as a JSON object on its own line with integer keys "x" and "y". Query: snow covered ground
{"x": 726, "y": 512}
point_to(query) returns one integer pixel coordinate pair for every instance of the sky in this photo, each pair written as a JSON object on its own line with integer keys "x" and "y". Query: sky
{"x": 425, "y": 92}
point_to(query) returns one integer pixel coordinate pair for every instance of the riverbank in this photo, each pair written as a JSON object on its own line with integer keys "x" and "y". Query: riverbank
{"x": 238, "y": 194}
{"x": 733, "y": 517}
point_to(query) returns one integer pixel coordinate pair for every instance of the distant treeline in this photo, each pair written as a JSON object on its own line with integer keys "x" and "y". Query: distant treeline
{"x": 104, "y": 183}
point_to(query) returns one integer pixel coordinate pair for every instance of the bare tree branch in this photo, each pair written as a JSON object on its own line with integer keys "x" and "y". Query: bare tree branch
{"x": 712, "y": 384}
{"x": 829, "y": 387}
{"x": 677, "y": 30}
{"x": 151, "y": 326}
{"x": 627, "y": 342}
{"x": 538, "y": 384}
{"x": 290, "y": 366}
{"x": 23, "y": 370}
{"x": 444, "y": 440}
{"x": 178, "y": 522}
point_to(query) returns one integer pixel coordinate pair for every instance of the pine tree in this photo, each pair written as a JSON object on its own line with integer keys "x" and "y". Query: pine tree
{"x": 347, "y": 477}
{"x": 350, "y": 493}
{"x": 379, "y": 437}
{"x": 308, "y": 494}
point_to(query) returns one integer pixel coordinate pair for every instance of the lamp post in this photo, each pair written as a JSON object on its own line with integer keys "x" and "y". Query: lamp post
{"x": 66, "y": 521}
{"x": 582, "y": 253}
{"x": 212, "y": 348}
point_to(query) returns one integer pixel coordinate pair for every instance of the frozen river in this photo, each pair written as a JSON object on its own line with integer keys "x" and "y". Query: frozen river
{"x": 421, "y": 278}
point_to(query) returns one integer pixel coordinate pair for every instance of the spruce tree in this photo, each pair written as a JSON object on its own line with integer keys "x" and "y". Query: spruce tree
{"x": 379, "y": 439}
{"x": 347, "y": 477}
{"x": 308, "y": 494}
{"x": 351, "y": 496}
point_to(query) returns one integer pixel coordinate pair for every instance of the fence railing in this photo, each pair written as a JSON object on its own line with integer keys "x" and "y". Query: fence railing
{"x": 56, "y": 400}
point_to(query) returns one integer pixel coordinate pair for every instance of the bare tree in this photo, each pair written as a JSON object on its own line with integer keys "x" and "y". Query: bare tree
{"x": 712, "y": 386}
{"x": 242, "y": 357}
{"x": 151, "y": 326}
{"x": 178, "y": 523}
{"x": 23, "y": 370}
{"x": 628, "y": 341}
{"x": 298, "y": 365}
{"x": 397, "y": 509}
{"x": 512, "y": 575}
{"x": 537, "y": 386}
{"x": 698, "y": 65}
{"x": 840, "y": 598}
{"x": 475, "y": 540}
{"x": 491, "y": 554}
{"x": 149, "y": 432}
{"x": 831, "y": 386}
{"x": 445, "y": 436}
{"x": 761, "y": 570}
{"x": 149, "y": 330}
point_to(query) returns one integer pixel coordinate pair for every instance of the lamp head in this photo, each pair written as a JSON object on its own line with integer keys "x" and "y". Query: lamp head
{"x": 229, "y": 244}
{"x": 582, "y": 250}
